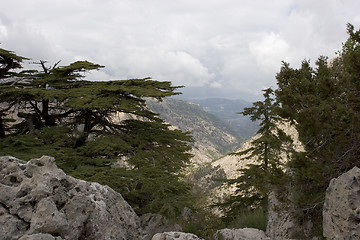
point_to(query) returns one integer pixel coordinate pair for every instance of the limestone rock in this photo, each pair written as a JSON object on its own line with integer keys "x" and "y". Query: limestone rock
{"x": 282, "y": 224}
{"x": 187, "y": 215}
{"x": 175, "y": 236}
{"x": 39, "y": 198}
{"x": 341, "y": 212}
{"x": 11, "y": 226}
{"x": 240, "y": 234}
{"x": 40, "y": 236}
{"x": 156, "y": 223}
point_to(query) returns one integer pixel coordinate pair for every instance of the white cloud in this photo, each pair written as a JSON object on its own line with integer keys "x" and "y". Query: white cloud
{"x": 227, "y": 45}
{"x": 177, "y": 66}
{"x": 269, "y": 51}
{"x": 3, "y": 31}
{"x": 216, "y": 84}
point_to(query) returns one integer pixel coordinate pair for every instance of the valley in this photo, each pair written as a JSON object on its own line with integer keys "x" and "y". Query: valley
{"x": 213, "y": 123}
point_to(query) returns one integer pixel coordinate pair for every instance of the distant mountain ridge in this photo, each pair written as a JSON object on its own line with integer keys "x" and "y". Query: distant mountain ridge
{"x": 227, "y": 110}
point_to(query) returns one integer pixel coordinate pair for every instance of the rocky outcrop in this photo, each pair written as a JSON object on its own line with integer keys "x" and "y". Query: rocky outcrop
{"x": 240, "y": 234}
{"x": 39, "y": 201}
{"x": 156, "y": 223}
{"x": 282, "y": 223}
{"x": 175, "y": 236}
{"x": 341, "y": 212}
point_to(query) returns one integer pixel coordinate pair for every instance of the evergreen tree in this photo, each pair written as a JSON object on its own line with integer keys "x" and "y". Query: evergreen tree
{"x": 323, "y": 104}
{"x": 258, "y": 179}
{"x": 9, "y": 62}
{"x": 53, "y": 111}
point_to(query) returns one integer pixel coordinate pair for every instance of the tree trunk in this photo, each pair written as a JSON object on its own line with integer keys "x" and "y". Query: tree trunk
{"x": 87, "y": 128}
{"x": 30, "y": 123}
{"x": 49, "y": 120}
{"x": 266, "y": 156}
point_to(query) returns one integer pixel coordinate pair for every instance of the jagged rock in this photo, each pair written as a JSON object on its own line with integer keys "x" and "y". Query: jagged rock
{"x": 341, "y": 212}
{"x": 175, "y": 236}
{"x": 240, "y": 234}
{"x": 11, "y": 226}
{"x": 187, "y": 215}
{"x": 282, "y": 224}
{"x": 37, "y": 197}
{"x": 156, "y": 223}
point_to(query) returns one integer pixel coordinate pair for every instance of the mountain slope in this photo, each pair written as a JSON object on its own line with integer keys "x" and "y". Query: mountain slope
{"x": 226, "y": 110}
{"x": 213, "y": 138}
{"x": 206, "y": 178}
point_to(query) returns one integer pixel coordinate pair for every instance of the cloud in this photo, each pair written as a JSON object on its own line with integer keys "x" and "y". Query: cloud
{"x": 177, "y": 66}
{"x": 269, "y": 51}
{"x": 216, "y": 84}
{"x": 226, "y": 47}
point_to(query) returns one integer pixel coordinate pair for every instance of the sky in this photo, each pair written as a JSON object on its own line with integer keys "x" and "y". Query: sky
{"x": 215, "y": 48}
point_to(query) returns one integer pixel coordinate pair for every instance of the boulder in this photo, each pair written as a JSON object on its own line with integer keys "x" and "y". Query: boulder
{"x": 240, "y": 234}
{"x": 39, "y": 201}
{"x": 341, "y": 212}
{"x": 175, "y": 236}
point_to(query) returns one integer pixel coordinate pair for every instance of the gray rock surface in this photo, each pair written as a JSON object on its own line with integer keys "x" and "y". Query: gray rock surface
{"x": 240, "y": 234}
{"x": 39, "y": 201}
{"x": 40, "y": 236}
{"x": 175, "y": 236}
{"x": 156, "y": 223}
{"x": 341, "y": 212}
{"x": 282, "y": 224}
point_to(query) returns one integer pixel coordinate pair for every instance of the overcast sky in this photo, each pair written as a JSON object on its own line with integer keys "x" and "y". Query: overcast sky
{"x": 216, "y": 48}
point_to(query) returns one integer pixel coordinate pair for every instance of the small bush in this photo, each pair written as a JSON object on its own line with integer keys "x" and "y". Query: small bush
{"x": 256, "y": 218}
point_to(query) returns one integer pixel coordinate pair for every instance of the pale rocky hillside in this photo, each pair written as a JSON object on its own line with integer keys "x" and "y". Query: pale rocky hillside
{"x": 212, "y": 137}
{"x": 230, "y": 163}
{"x": 227, "y": 167}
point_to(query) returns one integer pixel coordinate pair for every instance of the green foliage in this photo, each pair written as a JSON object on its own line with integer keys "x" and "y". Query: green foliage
{"x": 323, "y": 104}
{"x": 266, "y": 148}
{"x": 254, "y": 218}
{"x": 9, "y": 61}
{"x": 147, "y": 190}
{"x": 257, "y": 180}
{"x": 203, "y": 224}
{"x": 53, "y": 112}
{"x": 160, "y": 148}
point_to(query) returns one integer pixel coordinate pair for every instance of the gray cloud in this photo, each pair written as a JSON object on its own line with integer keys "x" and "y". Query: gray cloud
{"x": 226, "y": 48}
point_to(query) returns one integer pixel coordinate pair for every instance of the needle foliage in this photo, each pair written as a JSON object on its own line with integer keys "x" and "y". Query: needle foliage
{"x": 97, "y": 130}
